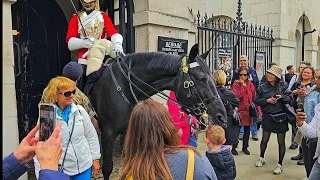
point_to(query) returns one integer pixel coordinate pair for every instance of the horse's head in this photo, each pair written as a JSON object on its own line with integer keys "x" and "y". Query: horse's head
{"x": 197, "y": 90}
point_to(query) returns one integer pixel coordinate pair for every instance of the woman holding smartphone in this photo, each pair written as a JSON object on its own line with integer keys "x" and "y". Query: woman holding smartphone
{"x": 80, "y": 143}
{"x": 271, "y": 97}
{"x": 299, "y": 90}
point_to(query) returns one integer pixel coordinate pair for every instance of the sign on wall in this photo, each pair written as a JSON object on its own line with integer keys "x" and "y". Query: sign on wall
{"x": 260, "y": 63}
{"x": 225, "y": 62}
{"x": 172, "y": 45}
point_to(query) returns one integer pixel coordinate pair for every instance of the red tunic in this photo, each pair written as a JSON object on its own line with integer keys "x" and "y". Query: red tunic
{"x": 246, "y": 95}
{"x": 108, "y": 29}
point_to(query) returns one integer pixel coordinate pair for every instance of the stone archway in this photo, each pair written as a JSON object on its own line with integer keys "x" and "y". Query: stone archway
{"x": 307, "y": 39}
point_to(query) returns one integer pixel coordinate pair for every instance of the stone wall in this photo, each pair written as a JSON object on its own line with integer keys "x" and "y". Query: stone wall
{"x": 170, "y": 18}
{"x": 10, "y": 134}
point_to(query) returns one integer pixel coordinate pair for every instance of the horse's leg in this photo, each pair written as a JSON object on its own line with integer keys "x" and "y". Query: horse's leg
{"x": 107, "y": 142}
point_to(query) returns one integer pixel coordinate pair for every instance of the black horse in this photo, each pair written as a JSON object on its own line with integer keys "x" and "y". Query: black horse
{"x": 113, "y": 97}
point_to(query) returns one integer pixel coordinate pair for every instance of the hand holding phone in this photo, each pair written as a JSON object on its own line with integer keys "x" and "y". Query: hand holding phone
{"x": 47, "y": 121}
{"x": 300, "y": 107}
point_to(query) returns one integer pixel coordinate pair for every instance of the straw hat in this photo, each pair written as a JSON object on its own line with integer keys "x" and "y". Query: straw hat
{"x": 275, "y": 70}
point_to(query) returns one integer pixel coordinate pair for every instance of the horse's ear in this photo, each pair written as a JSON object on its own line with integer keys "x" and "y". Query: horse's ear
{"x": 204, "y": 55}
{"x": 193, "y": 52}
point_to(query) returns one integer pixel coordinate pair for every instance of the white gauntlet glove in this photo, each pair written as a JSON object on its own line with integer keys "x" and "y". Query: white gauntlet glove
{"x": 87, "y": 43}
{"x": 77, "y": 43}
{"x": 117, "y": 40}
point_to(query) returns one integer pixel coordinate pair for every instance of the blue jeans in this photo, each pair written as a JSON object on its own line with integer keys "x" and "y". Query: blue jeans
{"x": 253, "y": 129}
{"x": 192, "y": 141}
{"x": 315, "y": 172}
{"x": 86, "y": 175}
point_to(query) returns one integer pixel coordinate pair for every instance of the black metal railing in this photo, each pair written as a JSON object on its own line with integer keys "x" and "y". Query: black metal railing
{"x": 228, "y": 39}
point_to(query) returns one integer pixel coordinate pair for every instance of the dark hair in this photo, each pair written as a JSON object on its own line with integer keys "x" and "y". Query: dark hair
{"x": 272, "y": 64}
{"x": 289, "y": 67}
{"x": 307, "y": 63}
{"x": 244, "y": 69}
{"x": 307, "y": 67}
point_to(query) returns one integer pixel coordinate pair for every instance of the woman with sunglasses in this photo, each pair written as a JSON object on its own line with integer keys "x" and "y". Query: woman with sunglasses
{"x": 246, "y": 93}
{"x": 80, "y": 143}
{"x": 271, "y": 97}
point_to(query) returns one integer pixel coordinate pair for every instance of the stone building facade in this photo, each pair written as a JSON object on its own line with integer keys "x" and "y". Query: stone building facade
{"x": 175, "y": 19}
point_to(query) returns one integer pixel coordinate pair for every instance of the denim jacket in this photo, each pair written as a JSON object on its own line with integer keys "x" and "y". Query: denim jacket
{"x": 310, "y": 102}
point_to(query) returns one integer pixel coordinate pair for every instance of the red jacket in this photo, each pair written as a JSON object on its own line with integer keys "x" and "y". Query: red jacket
{"x": 246, "y": 95}
{"x": 179, "y": 118}
{"x": 108, "y": 30}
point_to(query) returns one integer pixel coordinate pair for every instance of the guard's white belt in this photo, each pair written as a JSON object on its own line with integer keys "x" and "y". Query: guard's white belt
{"x": 82, "y": 61}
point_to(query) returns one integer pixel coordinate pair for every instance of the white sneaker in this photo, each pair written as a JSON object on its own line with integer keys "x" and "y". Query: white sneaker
{"x": 306, "y": 178}
{"x": 261, "y": 162}
{"x": 278, "y": 170}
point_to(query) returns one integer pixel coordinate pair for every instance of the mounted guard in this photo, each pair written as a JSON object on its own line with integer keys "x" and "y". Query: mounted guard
{"x": 85, "y": 27}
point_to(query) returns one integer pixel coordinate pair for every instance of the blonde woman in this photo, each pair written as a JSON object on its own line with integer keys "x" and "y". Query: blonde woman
{"x": 231, "y": 103}
{"x": 80, "y": 156}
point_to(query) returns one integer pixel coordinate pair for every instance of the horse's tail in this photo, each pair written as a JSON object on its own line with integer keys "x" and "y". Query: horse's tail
{"x": 100, "y": 49}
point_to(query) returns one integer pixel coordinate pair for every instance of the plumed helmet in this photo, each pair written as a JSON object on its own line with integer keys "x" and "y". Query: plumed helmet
{"x": 88, "y": 5}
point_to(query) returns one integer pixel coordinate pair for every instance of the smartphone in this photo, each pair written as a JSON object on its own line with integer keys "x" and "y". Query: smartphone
{"x": 47, "y": 121}
{"x": 277, "y": 96}
{"x": 300, "y": 106}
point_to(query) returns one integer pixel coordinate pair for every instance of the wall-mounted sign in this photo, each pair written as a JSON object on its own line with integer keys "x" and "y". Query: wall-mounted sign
{"x": 225, "y": 62}
{"x": 172, "y": 45}
{"x": 224, "y": 52}
{"x": 260, "y": 58}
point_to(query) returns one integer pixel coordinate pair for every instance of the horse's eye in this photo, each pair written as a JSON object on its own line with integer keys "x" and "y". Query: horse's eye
{"x": 203, "y": 79}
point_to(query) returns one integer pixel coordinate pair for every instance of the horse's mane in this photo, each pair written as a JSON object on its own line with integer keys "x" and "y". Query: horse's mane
{"x": 155, "y": 61}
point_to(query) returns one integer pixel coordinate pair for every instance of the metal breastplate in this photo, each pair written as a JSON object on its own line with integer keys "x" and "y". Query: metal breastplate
{"x": 93, "y": 25}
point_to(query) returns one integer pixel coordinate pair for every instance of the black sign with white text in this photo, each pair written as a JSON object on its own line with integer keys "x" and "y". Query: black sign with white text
{"x": 172, "y": 45}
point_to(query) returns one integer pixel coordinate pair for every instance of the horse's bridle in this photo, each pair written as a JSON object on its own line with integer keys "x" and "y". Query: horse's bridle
{"x": 199, "y": 110}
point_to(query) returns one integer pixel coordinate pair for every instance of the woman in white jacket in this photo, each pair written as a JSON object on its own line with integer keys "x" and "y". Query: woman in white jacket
{"x": 80, "y": 156}
{"x": 311, "y": 130}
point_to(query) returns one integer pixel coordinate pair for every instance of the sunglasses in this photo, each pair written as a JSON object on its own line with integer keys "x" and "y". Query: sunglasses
{"x": 243, "y": 60}
{"x": 243, "y": 74}
{"x": 68, "y": 93}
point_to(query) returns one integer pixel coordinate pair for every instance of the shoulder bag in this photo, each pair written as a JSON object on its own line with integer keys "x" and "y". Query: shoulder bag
{"x": 60, "y": 166}
{"x": 253, "y": 111}
{"x": 279, "y": 118}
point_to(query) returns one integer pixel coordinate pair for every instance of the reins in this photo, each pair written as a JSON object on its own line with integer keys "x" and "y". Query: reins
{"x": 201, "y": 110}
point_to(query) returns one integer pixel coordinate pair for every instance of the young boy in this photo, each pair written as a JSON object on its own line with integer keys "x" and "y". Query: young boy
{"x": 219, "y": 155}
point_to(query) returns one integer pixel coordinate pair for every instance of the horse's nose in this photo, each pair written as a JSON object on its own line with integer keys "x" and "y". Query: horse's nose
{"x": 221, "y": 120}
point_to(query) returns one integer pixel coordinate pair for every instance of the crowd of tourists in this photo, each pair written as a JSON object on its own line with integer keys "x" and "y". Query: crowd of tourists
{"x": 170, "y": 152}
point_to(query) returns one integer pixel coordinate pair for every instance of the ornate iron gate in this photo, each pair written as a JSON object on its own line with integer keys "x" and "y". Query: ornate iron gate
{"x": 228, "y": 39}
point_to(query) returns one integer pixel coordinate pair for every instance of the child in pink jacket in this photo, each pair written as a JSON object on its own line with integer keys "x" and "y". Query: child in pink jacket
{"x": 180, "y": 119}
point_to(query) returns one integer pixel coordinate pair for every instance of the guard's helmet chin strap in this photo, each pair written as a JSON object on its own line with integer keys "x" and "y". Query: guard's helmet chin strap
{"x": 95, "y": 5}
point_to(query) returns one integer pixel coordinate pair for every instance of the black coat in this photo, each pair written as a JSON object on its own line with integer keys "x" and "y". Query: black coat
{"x": 232, "y": 130}
{"x": 223, "y": 163}
{"x": 266, "y": 91}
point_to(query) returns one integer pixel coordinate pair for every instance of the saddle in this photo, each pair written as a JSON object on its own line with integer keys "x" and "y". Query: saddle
{"x": 98, "y": 59}
{"x": 93, "y": 77}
